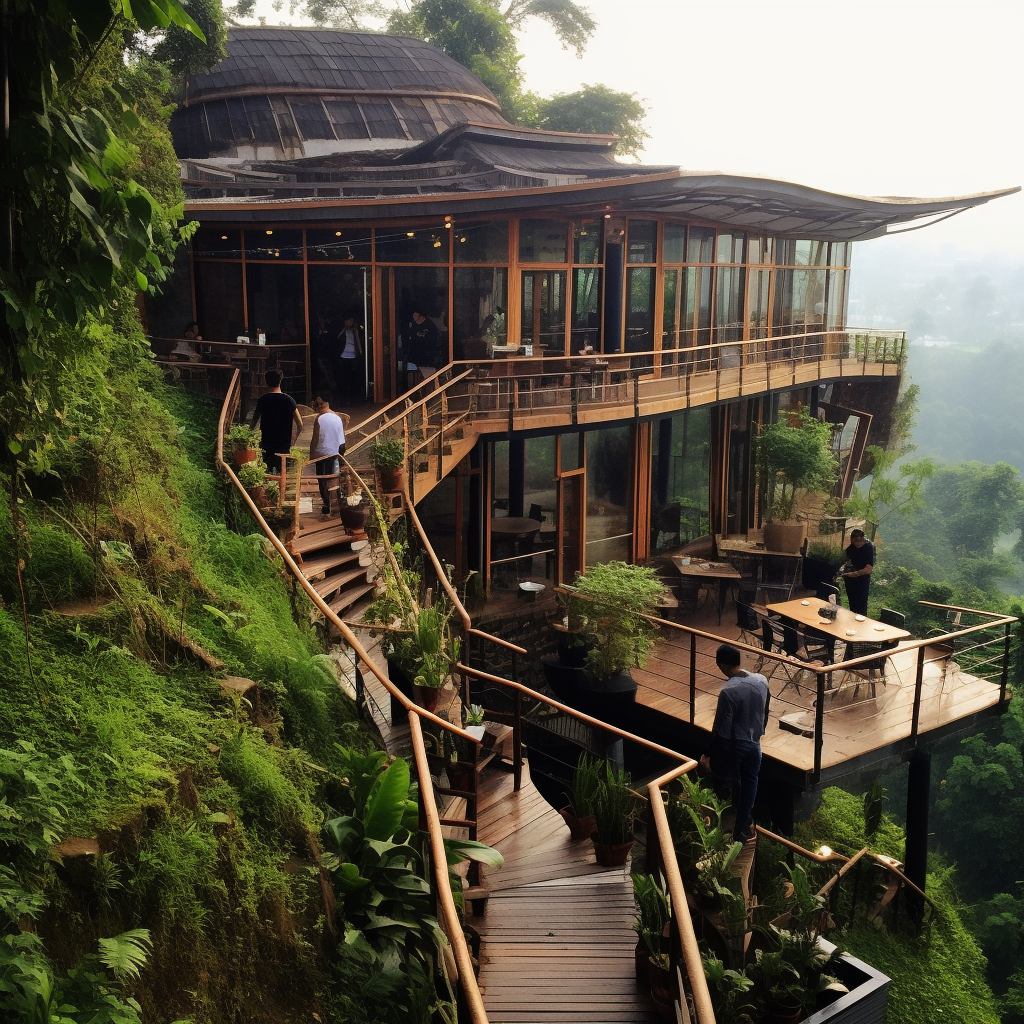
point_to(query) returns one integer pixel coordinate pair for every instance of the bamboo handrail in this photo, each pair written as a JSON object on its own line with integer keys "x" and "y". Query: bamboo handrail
{"x": 452, "y": 925}
{"x": 444, "y": 895}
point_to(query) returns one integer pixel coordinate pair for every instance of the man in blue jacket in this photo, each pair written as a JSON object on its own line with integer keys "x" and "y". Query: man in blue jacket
{"x": 740, "y": 721}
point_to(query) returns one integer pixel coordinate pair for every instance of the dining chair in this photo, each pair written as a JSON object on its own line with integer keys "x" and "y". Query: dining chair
{"x": 777, "y": 638}
{"x": 869, "y": 672}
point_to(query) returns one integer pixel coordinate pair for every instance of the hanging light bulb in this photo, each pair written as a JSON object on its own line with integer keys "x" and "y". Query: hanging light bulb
{"x": 269, "y": 232}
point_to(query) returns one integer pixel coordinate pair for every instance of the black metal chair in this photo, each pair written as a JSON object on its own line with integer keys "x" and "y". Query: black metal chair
{"x": 779, "y": 638}
{"x": 688, "y": 593}
{"x": 869, "y": 672}
{"x": 825, "y": 591}
{"x": 892, "y": 618}
{"x": 778, "y": 578}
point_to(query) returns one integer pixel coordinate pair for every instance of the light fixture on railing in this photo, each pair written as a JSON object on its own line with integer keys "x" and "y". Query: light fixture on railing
{"x": 337, "y": 234}
{"x": 269, "y": 232}
{"x": 410, "y": 234}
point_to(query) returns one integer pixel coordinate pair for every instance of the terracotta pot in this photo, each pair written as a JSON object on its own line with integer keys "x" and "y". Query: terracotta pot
{"x": 240, "y": 456}
{"x": 391, "y": 479}
{"x": 784, "y": 536}
{"x": 427, "y": 696}
{"x": 353, "y": 516}
{"x": 579, "y": 828}
{"x": 258, "y": 495}
{"x": 612, "y": 856}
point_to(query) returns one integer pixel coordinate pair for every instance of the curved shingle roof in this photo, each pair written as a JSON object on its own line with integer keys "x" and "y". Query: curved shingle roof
{"x": 326, "y": 60}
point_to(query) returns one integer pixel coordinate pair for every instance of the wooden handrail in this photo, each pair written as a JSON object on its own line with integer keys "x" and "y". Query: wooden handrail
{"x": 444, "y": 894}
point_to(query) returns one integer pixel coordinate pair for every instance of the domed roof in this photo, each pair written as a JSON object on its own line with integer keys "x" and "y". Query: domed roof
{"x": 293, "y": 93}
{"x": 324, "y": 60}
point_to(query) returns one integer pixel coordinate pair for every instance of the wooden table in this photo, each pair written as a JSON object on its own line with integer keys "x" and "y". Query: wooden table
{"x": 723, "y": 572}
{"x": 846, "y": 626}
{"x": 513, "y": 529}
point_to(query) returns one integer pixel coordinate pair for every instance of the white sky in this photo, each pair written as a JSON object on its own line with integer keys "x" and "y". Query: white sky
{"x": 897, "y": 98}
{"x": 900, "y": 98}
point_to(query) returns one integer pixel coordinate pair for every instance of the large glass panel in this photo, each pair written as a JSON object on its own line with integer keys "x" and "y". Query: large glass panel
{"x": 543, "y": 241}
{"x": 698, "y": 303}
{"x": 700, "y": 246}
{"x": 573, "y": 448}
{"x": 839, "y": 254}
{"x": 730, "y": 248}
{"x": 586, "y": 320}
{"x": 413, "y": 244}
{"x": 586, "y": 241}
{"x": 680, "y": 479}
{"x": 836, "y": 303}
{"x": 540, "y": 503}
{"x": 219, "y": 306}
{"x": 479, "y": 320}
{"x": 674, "y": 250}
{"x": 543, "y": 309}
{"x": 348, "y": 245}
{"x": 218, "y": 242}
{"x": 670, "y": 313}
{"x": 337, "y": 292}
{"x": 276, "y": 302}
{"x": 640, "y": 311}
{"x": 481, "y": 243}
{"x": 642, "y": 241}
{"x": 273, "y": 244}
{"x": 609, "y": 462}
{"x": 757, "y": 303}
{"x": 729, "y": 304}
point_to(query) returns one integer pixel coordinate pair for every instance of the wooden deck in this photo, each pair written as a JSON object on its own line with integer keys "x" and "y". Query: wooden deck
{"x": 856, "y": 725}
{"x": 557, "y": 936}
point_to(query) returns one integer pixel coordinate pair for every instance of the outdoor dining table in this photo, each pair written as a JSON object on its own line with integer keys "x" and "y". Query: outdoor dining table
{"x": 722, "y": 572}
{"x": 848, "y": 627}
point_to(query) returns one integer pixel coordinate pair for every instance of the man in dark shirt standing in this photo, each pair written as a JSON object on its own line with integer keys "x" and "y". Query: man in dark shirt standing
{"x": 860, "y": 556}
{"x": 275, "y": 412}
{"x": 740, "y": 721}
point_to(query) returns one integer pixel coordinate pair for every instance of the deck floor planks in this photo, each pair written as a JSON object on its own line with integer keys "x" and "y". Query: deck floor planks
{"x": 557, "y": 938}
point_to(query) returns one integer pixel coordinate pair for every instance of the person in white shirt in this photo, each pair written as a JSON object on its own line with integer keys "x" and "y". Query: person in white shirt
{"x": 351, "y": 361}
{"x": 326, "y": 444}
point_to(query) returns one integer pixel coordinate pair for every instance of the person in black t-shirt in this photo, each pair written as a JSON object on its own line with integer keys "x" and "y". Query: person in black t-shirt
{"x": 275, "y": 412}
{"x": 860, "y": 560}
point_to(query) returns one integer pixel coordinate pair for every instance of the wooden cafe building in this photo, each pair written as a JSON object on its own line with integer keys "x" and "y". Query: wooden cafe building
{"x": 608, "y": 335}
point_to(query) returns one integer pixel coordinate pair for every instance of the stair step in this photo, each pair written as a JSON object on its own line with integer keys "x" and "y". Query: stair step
{"x": 349, "y": 596}
{"x": 328, "y": 560}
{"x": 336, "y": 580}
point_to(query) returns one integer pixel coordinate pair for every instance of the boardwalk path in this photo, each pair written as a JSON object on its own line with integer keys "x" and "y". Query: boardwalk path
{"x": 557, "y": 937}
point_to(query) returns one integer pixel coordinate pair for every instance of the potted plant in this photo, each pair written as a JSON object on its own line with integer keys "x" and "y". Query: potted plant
{"x": 618, "y": 595}
{"x": 475, "y": 721}
{"x": 387, "y": 455}
{"x": 579, "y": 812}
{"x": 792, "y": 459}
{"x": 614, "y": 810}
{"x": 353, "y": 511}
{"x": 821, "y": 563}
{"x": 252, "y": 476}
{"x": 652, "y": 916}
{"x": 244, "y": 442}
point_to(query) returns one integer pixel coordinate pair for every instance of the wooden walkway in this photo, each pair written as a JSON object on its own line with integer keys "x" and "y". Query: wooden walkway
{"x": 557, "y": 936}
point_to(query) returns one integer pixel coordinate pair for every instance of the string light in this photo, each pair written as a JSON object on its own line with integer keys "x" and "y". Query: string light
{"x": 269, "y": 232}
{"x": 337, "y": 234}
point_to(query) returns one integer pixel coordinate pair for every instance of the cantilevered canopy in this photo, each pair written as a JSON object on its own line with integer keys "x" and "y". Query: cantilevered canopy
{"x": 776, "y": 208}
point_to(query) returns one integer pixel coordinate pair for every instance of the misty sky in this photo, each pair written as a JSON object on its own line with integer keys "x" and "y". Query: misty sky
{"x": 898, "y": 98}
{"x": 894, "y": 98}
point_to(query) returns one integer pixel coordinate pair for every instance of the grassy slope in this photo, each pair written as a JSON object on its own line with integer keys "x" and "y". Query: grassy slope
{"x": 208, "y": 818}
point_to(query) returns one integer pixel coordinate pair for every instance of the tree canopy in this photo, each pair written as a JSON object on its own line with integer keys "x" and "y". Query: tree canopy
{"x": 598, "y": 109}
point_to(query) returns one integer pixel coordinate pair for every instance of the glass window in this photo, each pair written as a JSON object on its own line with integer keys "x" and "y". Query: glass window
{"x": 680, "y": 479}
{"x": 311, "y": 119}
{"x": 836, "y": 303}
{"x": 543, "y": 241}
{"x": 479, "y": 315}
{"x": 346, "y": 118}
{"x": 730, "y": 248}
{"x": 481, "y": 243}
{"x": 261, "y": 120}
{"x": 757, "y": 303}
{"x": 276, "y": 302}
{"x": 700, "y": 245}
{"x": 225, "y": 243}
{"x": 586, "y": 320}
{"x": 418, "y": 122}
{"x": 273, "y": 244}
{"x": 640, "y": 311}
{"x": 698, "y": 303}
{"x": 413, "y": 244}
{"x": 675, "y": 243}
{"x": 729, "y": 304}
{"x": 642, "y": 241}
{"x": 341, "y": 245}
{"x": 609, "y": 512}
{"x": 572, "y": 452}
{"x": 219, "y": 307}
{"x": 839, "y": 254}
{"x": 543, "y": 309}
{"x": 586, "y": 241}
{"x": 381, "y": 119}
{"x": 670, "y": 312}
